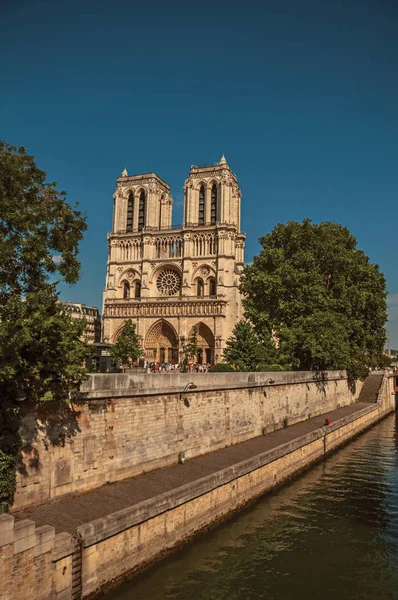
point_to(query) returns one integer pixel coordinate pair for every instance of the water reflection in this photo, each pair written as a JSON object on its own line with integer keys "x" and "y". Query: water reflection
{"x": 331, "y": 533}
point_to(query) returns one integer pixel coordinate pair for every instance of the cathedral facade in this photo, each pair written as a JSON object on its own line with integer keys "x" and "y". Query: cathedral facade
{"x": 170, "y": 280}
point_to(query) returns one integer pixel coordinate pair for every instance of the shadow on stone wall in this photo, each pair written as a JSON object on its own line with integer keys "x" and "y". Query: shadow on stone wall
{"x": 51, "y": 423}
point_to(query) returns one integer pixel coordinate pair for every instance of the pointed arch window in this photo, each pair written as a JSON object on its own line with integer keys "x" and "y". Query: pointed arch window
{"x": 141, "y": 211}
{"x": 137, "y": 291}
{"x": 200, "y": 288}
{"x": 213, "y": 205}
{"x": 126, "y": 290}
{"x": 201, "y": 219}
{"x": 160, "y": 211}
{"x": 212, "y": 287}
{"x": 130, "y": 212}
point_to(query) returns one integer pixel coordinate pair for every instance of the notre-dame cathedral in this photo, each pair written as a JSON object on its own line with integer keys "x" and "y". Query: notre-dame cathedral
{"x": 169, "y": 280}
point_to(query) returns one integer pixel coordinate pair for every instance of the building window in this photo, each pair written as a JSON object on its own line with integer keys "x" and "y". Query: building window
{"x": 141, "y": 211}
{"x": 160, "y": 212}
{"x": 213, "y": 205}
{"x": 201, "y": 220}
{"x": 126, "y": 290}
{"x": 130, "y": 213}
{"x": 137, "y": 292}
{"x": 200, "y": 288}
{"x": 212, "y": 287}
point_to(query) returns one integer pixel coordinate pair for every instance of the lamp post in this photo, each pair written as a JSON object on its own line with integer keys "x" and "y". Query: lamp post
{"x": 267, "y": 382}
{"x": 183, "y": 396}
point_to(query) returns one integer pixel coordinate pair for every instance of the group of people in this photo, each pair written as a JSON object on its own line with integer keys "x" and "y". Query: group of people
{"x": 159, "y": 367}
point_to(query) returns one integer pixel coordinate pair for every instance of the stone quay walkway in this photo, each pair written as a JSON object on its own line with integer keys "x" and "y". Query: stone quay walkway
{"x": 68, "y": 513}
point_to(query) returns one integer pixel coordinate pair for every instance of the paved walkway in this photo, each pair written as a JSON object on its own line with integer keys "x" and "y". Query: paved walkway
{"x": 68, "y": 513}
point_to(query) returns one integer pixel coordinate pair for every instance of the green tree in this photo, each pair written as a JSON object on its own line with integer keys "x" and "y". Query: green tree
{"x": 320, "y": 295}
{"x": 189, "y": 350}
{"x": 245, "y": 347}
{"x": 41, "y": 355}
{"x": 128, "y": 345}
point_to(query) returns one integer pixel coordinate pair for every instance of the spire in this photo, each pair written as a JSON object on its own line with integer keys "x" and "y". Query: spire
{"x": 124, "y": 174}
{"x": 223, "y": 160}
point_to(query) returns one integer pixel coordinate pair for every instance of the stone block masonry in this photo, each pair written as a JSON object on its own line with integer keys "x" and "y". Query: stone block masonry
{"x": 126, "y": 424}
{"x": 162, "y": 510}
{"x": 130, "y": 539}
{"x": 36, "y": 564}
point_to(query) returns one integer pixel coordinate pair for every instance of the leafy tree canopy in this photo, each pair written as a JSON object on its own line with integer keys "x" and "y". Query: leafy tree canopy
{"x": 128, "y": 345}
{"x": 246, "y": 347}
{"x": 320, "y": 296}
{"x": 189, "y": 350}
{"x": 41, "y": 355}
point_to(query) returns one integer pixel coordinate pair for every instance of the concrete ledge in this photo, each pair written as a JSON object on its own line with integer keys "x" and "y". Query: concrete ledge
{"x": 124, "y": 385}
{"x": 64, "y": 545}
{"x": 101, "y": 529}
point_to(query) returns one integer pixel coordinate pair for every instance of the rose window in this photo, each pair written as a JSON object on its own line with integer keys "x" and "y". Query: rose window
{"x": 168, "y": 282}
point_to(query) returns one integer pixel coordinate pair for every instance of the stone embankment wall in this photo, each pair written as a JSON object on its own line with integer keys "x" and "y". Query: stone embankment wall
{"x": 131, "y": 538}
{"x": 35, "y": 563}
{"x": 125, "y": 424}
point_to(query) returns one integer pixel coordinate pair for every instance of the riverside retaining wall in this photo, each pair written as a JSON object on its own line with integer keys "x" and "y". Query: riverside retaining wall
{"x": 131, "y": 538}
{"x": 38, "y": 564}
{"x": 35, "y": 564}
{"x": 122, "y": 425}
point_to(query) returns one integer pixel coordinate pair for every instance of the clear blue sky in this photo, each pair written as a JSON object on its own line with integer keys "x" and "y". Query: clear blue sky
{"x": 302, "y": 97}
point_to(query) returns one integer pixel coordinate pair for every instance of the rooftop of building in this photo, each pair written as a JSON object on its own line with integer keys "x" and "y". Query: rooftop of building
{"x": 80, "y": 307}
{"x": 222, "y": 163}
{"x": 141, "y": 176}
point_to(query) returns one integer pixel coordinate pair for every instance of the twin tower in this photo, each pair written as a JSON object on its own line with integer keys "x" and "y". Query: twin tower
{"x": 169, "y": 280}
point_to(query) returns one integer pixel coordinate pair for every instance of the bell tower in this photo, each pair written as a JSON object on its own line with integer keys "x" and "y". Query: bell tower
{"x": 168, "y": 279}
{"x": 212, "y": 196}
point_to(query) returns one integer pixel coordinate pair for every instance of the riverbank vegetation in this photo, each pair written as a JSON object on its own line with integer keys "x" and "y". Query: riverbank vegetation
{"x": 41, "y": 355}
{"x": 313, "y": 301}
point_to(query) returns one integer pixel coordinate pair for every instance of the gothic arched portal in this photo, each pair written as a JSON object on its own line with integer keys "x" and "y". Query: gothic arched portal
{"x": 205, "y": 338}
{"x": 161, "y": 343}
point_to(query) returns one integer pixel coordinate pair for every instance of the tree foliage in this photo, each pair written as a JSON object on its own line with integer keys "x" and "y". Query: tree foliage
{"x": 320, "y": 296}
{"x": 128, "y": 344}
{"x": 189, "y": 350}
{"x": 248, "y": 348}
{"x": 41, "y": 355}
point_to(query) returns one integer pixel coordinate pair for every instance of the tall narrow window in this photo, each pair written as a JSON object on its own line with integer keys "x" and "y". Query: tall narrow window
{"x": 137, "y": 293}
{"x": 141, "y": 211}
{"x": 213, "y": 205}
{"x": 160, "y": 212}
{"x": 200, "y": 288}
{"x": 130, "y": 213}
{"x": 212, "y": 287}
{"x": 126, "y": 290}
{"x": 201, "y": 220}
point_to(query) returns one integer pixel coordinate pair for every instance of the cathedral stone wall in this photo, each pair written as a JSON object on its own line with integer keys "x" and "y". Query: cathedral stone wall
{"x": 170, "y": 280}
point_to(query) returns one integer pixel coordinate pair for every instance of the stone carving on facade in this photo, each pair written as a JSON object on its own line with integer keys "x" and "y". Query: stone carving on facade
{"x": 120, "y": 269}
{"x": 153, "y": 188}
{"x": 226, "y": 178}
{"x": 204, "y": 271}
{"x": 111, "y": 282}
{"x": 194, "y": 264}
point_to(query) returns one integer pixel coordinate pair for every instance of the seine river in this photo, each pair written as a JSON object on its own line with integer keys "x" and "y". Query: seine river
{"x": 330, "y": 533}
